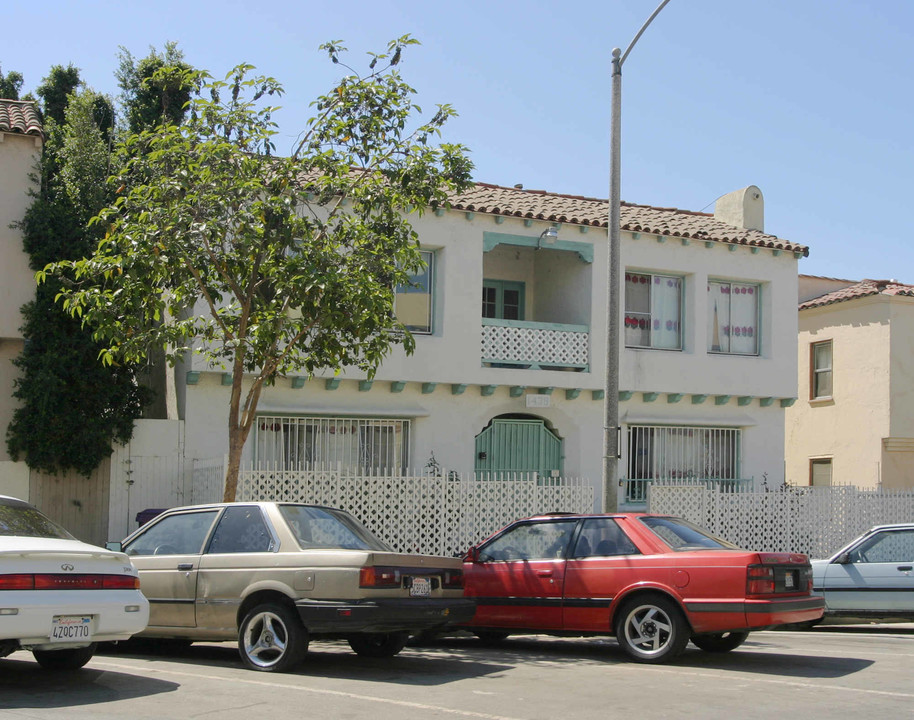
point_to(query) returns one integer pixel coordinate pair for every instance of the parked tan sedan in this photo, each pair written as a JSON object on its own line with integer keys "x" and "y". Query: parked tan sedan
{"x": 274, "y": 575}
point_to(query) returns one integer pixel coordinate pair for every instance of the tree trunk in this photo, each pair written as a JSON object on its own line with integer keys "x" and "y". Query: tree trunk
{"x": 236, "y": 445}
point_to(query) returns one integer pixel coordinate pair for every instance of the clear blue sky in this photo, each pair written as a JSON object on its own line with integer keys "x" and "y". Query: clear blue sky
{"x": 811, "y": 100}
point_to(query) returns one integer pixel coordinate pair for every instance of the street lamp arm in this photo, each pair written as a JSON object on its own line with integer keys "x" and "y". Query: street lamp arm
{"x": 641, "y": 31}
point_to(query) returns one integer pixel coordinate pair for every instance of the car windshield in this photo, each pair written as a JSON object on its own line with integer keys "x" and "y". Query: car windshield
{"x": 23, "y": 520}
{"x": 319, "y": 527}
{"x": 680, "y": 534}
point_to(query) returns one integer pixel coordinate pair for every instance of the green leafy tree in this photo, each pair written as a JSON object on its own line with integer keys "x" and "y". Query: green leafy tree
{"x": 156, "y": 88}
{"x": 55, "y": 92}
{"x": 268, "y": 265}
{"x": 10, "y": 84}
{"x": 73, "y": 407}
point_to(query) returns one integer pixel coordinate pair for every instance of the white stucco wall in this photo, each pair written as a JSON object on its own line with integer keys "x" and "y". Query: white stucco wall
{"x": 446, "y": 424}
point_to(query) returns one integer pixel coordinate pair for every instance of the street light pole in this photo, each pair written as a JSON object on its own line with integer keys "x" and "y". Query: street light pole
{"x": 612, "y": 431}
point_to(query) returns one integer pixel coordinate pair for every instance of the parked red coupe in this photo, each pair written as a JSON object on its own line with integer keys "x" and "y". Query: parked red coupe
{"x": 653, "y": 581}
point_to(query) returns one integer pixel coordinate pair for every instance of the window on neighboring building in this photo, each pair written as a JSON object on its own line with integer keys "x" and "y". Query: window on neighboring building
{"x": 355, "y": 445}
{"x": 733, "y": 317}
{"x": 821, "y": 381}
{"x": 653, "y": 311}
{"x": 414, "y": 303}
{"x": 820, "y": 472}
{"x": 657, "y": 452}
{"x": 503, "y": 299}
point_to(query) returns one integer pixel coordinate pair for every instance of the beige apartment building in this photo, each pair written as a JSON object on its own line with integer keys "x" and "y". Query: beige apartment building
{"x": 21, "y": 139}
{"x": 853, "y": 422}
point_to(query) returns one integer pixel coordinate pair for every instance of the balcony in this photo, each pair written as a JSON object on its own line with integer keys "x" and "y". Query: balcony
{"x": 535, "y": 345}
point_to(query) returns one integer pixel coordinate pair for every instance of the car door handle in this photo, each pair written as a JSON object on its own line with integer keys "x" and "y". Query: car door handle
{"x": 544, "y": 573}
{"x": 906, "y": 568}
{"x": 185, "y": 566}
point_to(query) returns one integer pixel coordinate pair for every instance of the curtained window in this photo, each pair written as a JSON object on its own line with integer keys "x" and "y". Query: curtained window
{"x": 653, "y": 311}
{"x": 733, "y": 317}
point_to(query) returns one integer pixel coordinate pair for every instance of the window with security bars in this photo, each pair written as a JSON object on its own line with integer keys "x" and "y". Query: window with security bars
{"x": 677, "y": 452}
{"x": 354, "y": 445}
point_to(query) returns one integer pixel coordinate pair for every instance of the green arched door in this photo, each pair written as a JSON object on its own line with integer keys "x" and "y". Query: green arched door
{"x": 518, "y": 445}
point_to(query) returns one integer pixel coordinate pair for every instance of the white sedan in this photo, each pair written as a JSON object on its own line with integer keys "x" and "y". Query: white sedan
{"x": 59, "y": 596}
{"x": 870, "y": 578}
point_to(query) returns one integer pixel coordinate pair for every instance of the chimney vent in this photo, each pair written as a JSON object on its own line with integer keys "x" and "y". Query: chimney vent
{"x": 743, "y": 208}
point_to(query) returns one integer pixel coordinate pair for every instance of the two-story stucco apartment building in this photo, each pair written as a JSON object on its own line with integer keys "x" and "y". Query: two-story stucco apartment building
{"x": 509, "y": 370}
{"x": 21, "y": 139}
{"x": 853, "y": 422}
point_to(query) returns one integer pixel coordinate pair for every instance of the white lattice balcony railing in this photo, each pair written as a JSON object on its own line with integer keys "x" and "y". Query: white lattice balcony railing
{"x": 535, "y": 345}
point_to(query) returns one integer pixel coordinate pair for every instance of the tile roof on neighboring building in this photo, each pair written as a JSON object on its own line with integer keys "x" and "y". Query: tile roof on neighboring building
{"x": 20, "y": 116}
{"x": 864, "y": 288}
{"x": 670, "y": 222}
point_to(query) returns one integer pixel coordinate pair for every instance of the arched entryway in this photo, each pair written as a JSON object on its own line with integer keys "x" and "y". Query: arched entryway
{"x": 519, "y": 443}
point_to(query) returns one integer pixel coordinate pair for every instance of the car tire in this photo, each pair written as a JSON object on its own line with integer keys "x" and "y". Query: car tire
{"x": 70, "y": 659}
{"x": 378, "y": 645}
{"x": 719, "y": 642}
{"x": 272, "y": 638}
{"x": 651, "y": 629}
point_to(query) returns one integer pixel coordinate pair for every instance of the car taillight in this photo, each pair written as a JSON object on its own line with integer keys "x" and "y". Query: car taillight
{"x": 60, "y": 581}
{"x": 373, "y": 577}
{"x": 759, "y": 580}
{"x": 121, "y": 582}
{"x": 452, "y": 579}
{"x": 17, "y": 582}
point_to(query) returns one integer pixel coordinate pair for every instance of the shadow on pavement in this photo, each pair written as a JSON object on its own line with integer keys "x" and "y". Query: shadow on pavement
{"x": 334, "y": 659}
{"x": 755, "y": 656}
{"x": 25, "y": 684}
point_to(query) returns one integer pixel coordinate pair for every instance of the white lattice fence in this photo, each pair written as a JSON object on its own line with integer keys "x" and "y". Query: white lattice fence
{"x": 813, "y": 520}
{"x": 439, "y": 515}
{"x": 207, "y": 480}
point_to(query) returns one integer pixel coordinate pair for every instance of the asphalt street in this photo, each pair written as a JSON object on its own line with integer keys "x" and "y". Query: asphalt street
{"x": 829, "y": 673}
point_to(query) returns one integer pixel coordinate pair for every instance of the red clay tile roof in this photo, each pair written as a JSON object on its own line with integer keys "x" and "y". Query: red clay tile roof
{"x": 20, "y": 116}
{"x": 864, "y": 288}
{"x": 671, "y": 222}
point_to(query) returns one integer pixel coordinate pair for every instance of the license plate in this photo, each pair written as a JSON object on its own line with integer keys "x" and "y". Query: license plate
{"x": 790, "y": 580}
{"x": 420, "y": 587}
{"x": 71, "y": 628}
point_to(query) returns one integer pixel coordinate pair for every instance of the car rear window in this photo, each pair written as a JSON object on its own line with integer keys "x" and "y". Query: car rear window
{"x": 318, "y": 527}
{"x": 25, "y": 521}
{"x": 680, "y": 534}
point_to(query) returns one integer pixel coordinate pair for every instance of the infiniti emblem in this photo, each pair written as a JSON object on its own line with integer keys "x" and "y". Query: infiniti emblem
{"x": 66, "y": 567}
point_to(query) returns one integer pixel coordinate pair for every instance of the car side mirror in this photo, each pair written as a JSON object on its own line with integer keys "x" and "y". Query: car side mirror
{"x": 843, "y": 559}
{"x": 472, "y": 555}
{"x": 116, "y": 546}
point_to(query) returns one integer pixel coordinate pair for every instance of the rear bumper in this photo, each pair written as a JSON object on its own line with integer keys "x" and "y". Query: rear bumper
{"x": 763, "y": 613}
{"x": 383, "y": 615}
{"x": 115, "y": 614}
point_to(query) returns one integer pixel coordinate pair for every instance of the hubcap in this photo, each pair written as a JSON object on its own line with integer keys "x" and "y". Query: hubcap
{"x": 265, "y": 640}
{"x": 648, "y": 629}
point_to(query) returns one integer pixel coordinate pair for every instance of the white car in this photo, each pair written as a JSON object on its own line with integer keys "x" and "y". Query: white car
{"x": 870, "y": 578}
{"x": 60, "y": 596}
